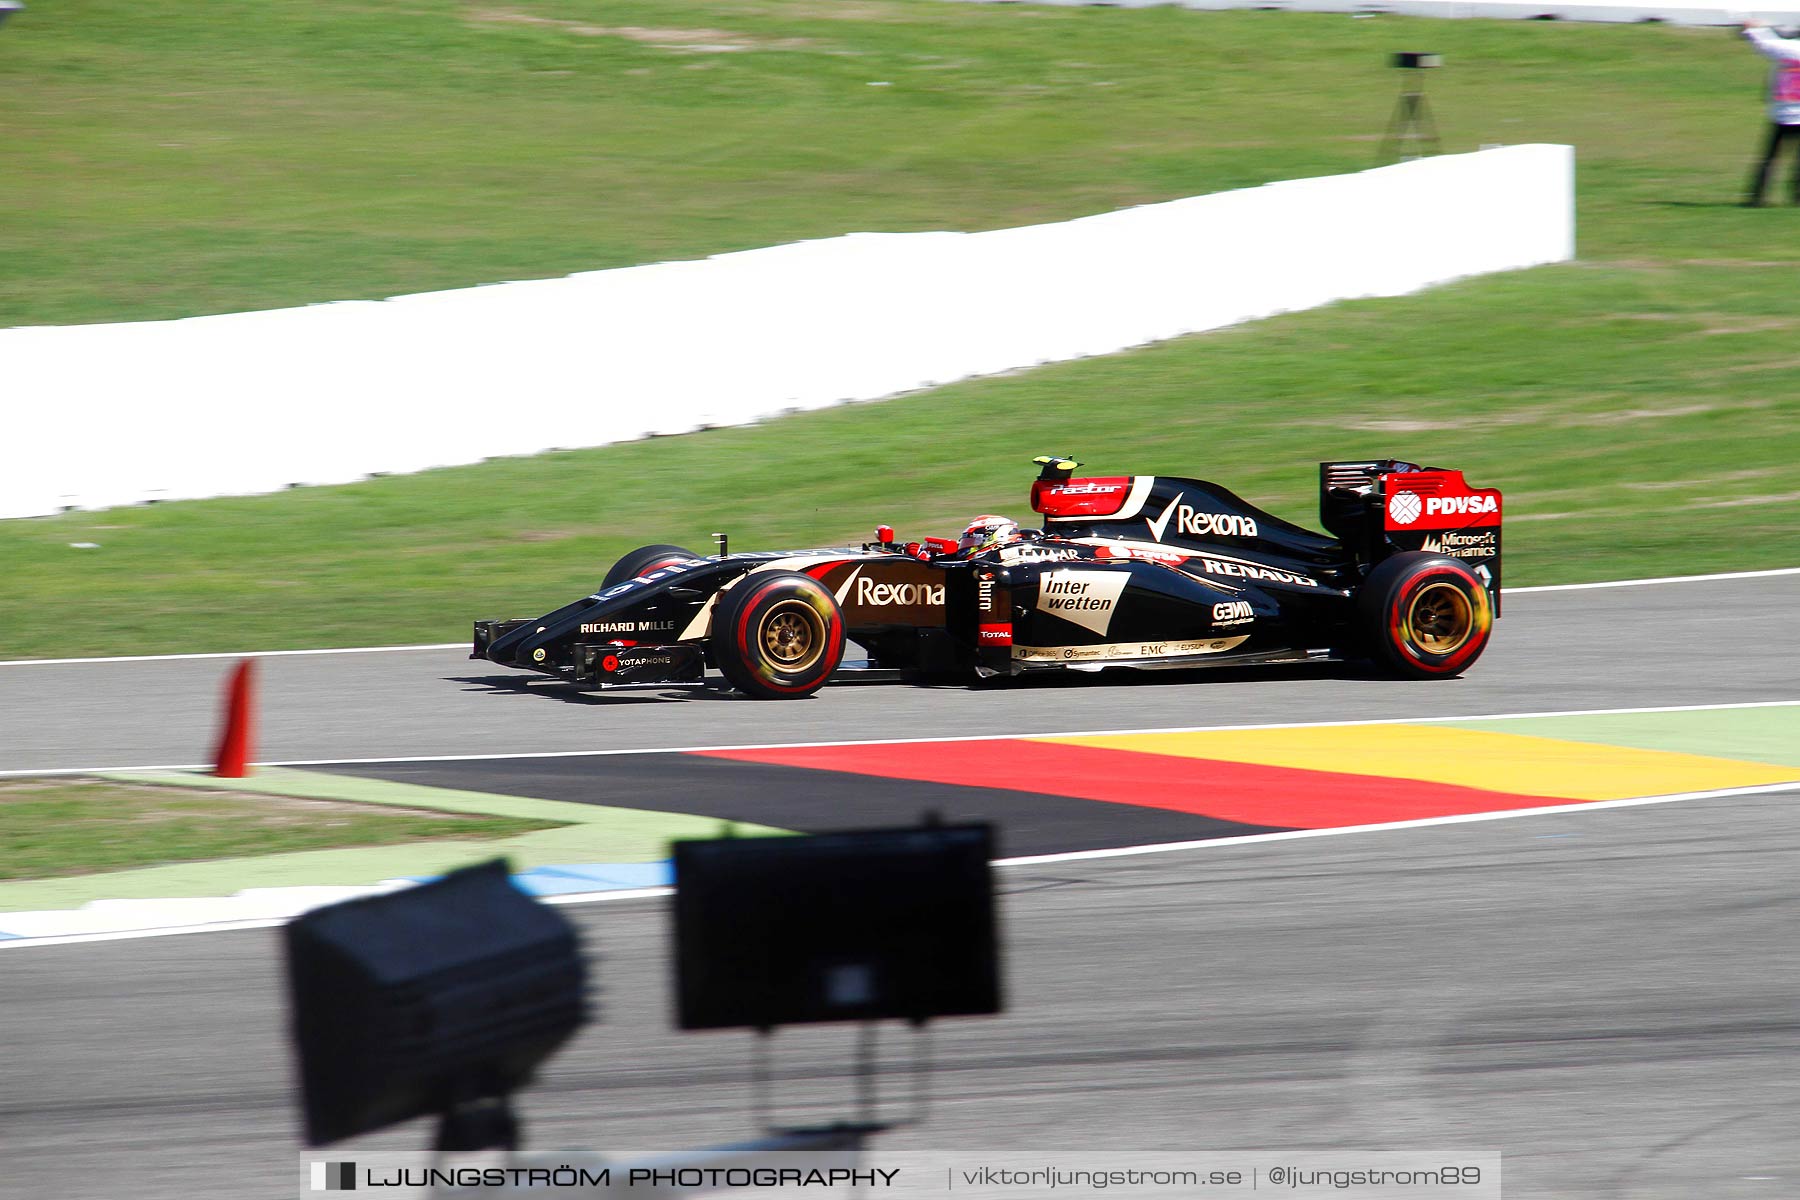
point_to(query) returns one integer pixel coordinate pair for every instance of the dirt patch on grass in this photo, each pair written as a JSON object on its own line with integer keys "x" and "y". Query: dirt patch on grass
{"x": 673, "y": 39}
{"x": 1707, "y": 481}
{"x": 1751, "y": 501}
{"x": 1711, "y": 324}
{"x": 1774, "y": 364}
{"x": 1630, "y": 416}
{"x": 1548, "y": 416}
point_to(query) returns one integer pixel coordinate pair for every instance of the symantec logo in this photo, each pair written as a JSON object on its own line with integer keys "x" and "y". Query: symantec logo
{"x": 1439, "y": 500}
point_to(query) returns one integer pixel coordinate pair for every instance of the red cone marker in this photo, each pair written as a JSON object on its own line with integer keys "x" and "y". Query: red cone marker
{"x": 234, "y": 743}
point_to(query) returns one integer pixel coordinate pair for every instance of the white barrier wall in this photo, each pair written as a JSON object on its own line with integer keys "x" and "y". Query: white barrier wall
{"x": 1693, "y": 12}
{"x": 100, "y": 415}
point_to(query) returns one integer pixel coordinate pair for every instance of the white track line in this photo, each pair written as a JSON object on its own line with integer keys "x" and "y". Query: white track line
{"x": 1618, "y": 583}
{"x": 1026, "y": 861}
{"x": 129, "y": 935}
{"x": 1765, "y": 789}
{"x": 126, "y": 658}
{"x": 961, "y": 737}
{"x": 1515, "y": 591}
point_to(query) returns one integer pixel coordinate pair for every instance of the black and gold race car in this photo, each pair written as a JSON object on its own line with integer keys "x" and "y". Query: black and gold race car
{"x": 1146, "y": 571}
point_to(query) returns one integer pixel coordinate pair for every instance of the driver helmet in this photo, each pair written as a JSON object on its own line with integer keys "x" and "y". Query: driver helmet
{"x": 986, "y": 532}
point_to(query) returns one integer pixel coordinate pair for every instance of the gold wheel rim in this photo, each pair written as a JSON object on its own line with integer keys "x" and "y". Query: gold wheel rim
{"x": 1440, "y": 619}
{"x": 793, "y": 636}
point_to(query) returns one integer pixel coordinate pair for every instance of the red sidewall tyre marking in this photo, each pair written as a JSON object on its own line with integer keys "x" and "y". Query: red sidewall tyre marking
{"x": 1481, "y": 617}
{"x": 747, "y": 617}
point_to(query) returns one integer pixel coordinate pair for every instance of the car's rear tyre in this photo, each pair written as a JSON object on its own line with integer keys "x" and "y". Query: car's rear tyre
{"x": 1425, "y": 616}
{"x": 777, "y": 635}
{"x": 644, "y": 560}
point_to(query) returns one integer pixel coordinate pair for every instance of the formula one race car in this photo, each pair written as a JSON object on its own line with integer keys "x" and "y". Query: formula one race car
{"x": 1148, "y": 571}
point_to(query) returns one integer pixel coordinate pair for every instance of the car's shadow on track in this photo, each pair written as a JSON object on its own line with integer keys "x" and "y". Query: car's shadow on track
{"x": 1124, "y": 677}
{"x": 717, "y": 690}
{"x": 553, "y": 689}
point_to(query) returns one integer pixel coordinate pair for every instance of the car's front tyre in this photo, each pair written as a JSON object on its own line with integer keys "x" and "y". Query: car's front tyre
{"x": 643, "y": 560}
{"x": 777, "y": 635}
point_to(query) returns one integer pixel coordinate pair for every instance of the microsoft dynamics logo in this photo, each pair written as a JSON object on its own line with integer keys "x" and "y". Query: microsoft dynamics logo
{"x": 334, "y": 1177}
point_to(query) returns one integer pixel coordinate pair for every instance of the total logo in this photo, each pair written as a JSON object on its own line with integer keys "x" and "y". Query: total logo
{"x": 1233, "y": 612}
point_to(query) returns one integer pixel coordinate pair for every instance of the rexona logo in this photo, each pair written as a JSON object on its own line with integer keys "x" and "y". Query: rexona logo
{"x": 883, "y": 594}
{"x": 1204, "y": 524}
{"x": 1085, "y": 598}
{"x": 1233, "y": 612}
{"x": 1200, "y": 524}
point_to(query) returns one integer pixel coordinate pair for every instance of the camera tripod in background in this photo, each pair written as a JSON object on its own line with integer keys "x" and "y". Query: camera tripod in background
{"x": 1411, "y": 131}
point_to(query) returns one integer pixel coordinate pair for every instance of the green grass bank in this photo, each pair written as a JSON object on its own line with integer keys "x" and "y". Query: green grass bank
{"x": 166, "y": 160}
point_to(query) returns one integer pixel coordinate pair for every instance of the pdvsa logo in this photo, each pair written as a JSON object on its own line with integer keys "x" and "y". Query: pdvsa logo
{"x": 1458, "y": 506}
{"x": 1404, "y": 508}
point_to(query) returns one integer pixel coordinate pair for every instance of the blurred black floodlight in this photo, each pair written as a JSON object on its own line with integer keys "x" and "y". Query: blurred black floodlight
{"x": 1413, "y": 61}
{"x": 846, "y": 926}
{"x": 8, "y": 8}
{"x": 440, "y": 999}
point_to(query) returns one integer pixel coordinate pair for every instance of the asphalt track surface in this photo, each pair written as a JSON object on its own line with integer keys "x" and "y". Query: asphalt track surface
{"x": 1690, "y": 643}
{"x": 1611, "y": 997}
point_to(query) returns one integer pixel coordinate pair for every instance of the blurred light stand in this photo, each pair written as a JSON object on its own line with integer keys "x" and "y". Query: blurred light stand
{"x": 1411, "y": 130}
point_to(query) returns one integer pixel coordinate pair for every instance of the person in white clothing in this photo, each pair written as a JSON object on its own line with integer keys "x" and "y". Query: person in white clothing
{"x": 1784, "y": 105}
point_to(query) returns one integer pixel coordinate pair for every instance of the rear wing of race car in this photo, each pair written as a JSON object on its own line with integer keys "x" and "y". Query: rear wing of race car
{"x": 1380, "y": 507}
